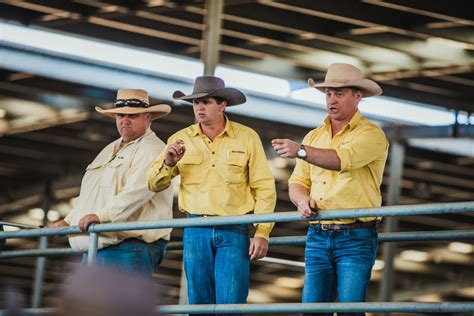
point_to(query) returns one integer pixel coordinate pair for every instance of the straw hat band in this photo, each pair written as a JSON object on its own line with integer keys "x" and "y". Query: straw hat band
{"x": 134, "y": 101}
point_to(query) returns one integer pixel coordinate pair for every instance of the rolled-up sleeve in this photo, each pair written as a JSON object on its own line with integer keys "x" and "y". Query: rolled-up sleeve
{"x": 366, "y": 147}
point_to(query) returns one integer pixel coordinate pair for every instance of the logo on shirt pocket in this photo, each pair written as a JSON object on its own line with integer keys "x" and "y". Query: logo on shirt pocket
{"x": 236, "y": 162}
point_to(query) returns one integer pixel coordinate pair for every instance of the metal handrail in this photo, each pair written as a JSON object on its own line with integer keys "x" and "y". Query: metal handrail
{"x": 384, "y": 211}
{"x": 378, "y": 307}
{"x": 374, "y": 307}
{"x": 274, "y": 241}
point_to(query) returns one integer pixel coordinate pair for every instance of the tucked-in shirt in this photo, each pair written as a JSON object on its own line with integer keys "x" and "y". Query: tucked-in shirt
{"x": 362, "y": 149}
{"x": 114, "y": 188}
{"x": 227, "y": 176}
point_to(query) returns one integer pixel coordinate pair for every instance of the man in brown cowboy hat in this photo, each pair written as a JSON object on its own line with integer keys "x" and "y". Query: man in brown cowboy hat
{"x": 224, "y": 171}
{"x": 114, "y": 189}
{"x": 340, "y": 165}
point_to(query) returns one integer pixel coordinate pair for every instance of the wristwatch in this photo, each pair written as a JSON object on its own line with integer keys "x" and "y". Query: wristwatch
{"x": 301, "y": 153}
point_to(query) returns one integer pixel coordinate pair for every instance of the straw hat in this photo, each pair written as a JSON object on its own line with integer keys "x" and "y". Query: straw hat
{"x": 135, "y": 101}
{"x": 210, "y": 86}
{"x": 344, "y": 75}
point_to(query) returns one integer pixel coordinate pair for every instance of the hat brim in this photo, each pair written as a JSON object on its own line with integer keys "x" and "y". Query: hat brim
{"x": 231, "y": 95}
{"x": 156, "y": 111}
{"x": 369, "y": 87}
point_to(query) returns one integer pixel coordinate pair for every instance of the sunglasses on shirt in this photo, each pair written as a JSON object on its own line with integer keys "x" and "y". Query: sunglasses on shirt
{"x": 135, "y": 103}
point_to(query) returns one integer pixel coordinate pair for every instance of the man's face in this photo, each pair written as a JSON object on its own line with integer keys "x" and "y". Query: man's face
{"x": 132, "y": 126}
{"x": 207, "y": 110}
{"x": 341, "y": 103}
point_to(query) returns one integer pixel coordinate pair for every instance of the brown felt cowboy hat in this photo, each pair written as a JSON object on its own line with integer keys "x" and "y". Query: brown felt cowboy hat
{"x": 344, "y": 75}
{"x": 210, "y": 86}
{"x": 135, "y": 101}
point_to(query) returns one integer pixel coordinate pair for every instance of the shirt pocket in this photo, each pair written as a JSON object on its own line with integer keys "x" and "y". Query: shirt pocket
{"x": 111, "y": 173}
{"x": 236, "y": 167}
{"x": 190, "y": 168}
{"x": 92, "y": 175}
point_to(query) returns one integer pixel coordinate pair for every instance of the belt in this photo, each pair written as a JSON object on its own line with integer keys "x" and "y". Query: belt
{"x": 371, "y": 224}
{"x": 200, "y": 215}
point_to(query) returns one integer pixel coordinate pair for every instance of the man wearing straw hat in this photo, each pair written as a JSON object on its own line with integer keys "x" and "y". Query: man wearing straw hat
{"x": 340, "y": 165}
{"x": 224, "y": 171}
{"x": 114, "y": 189}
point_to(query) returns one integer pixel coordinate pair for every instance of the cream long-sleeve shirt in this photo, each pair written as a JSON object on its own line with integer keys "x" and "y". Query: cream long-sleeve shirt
{"x": 114, "y": 188}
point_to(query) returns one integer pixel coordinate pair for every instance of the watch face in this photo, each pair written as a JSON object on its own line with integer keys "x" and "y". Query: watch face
{"x": 301, "y": 153}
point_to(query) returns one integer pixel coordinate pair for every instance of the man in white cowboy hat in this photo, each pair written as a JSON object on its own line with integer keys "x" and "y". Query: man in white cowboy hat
{"x": 340, "y": 165}
{"x": 114, "y": 189}
{"x": 224, "y": 171}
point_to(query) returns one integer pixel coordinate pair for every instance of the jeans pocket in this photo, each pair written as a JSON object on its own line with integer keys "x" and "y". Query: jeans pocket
{"x": 367, "y": 234}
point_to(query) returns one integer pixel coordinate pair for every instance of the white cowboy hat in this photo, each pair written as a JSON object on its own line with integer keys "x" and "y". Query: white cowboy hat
{"x": 345, "y": 75}
{"x": 135, "y": 101}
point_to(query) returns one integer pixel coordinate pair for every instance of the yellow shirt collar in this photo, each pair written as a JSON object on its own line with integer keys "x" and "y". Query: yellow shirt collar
{"x": 352, "y": 123}
{"x": 195, "y": 129}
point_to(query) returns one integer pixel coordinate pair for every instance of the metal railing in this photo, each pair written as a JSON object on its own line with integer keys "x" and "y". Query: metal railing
{"x": 274, "y": 241}
{"x": 387, "y": 211}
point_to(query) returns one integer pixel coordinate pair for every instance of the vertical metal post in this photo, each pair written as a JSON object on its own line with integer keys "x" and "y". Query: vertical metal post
{"x": 93, "y": 242}
{"x": 211, "y": 35}
{"x": 397, "y": 157}
{"x": 36, "y": 299}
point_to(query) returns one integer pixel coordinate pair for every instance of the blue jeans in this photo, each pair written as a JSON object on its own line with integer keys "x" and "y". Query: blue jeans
{"x": 338, "y": 263}
{"x": 133, "y": 256}
{"x": 216, "y": 262}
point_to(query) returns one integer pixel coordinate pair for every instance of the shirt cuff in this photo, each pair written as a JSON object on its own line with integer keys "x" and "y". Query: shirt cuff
{"x": 344, "y": 157}
{"x": 302, "y": 183}
{"x": 263, "y": 232}
{"x": 103, "y": 217}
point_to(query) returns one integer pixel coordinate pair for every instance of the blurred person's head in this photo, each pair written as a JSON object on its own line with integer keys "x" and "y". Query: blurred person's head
{"x": 14, "y": 302}
{"x": 96, "y": 291}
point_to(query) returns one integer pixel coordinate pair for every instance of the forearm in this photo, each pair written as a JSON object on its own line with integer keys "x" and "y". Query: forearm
{"x": 297, "y": 193}
{"x": 323, "y": 158}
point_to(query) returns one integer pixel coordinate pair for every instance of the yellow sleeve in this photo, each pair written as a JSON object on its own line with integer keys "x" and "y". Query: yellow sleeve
{"x": 159, "y": 175}
{"x": 366, "y": 147}
{"x": 262, "y": 184}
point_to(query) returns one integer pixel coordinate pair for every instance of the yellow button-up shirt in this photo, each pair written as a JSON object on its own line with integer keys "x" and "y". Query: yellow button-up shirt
{"x": 362, "y": 149}
{"x": 114, "y": 188}
{"x": 227, "y": 176}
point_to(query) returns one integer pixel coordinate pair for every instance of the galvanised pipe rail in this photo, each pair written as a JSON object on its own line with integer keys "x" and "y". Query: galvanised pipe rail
{"x": 274, "y": 241}
{"x": 50, "y": 252}
{"x": 388, "y": 237}
{"x": 385, "y": 211}
{"x": 376, "y": 307}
